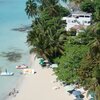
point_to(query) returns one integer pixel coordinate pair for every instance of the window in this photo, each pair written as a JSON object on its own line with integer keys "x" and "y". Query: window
{"x": 87, "y": 16}
{"x": 85, "y": 21}
{"x": 81, "y": 16}
{"x": 89, "y": 22}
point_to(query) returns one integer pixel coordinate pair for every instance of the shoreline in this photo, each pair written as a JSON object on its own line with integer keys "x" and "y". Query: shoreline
{"x": 20, "y": 80}
{"x": 40, "y": 86}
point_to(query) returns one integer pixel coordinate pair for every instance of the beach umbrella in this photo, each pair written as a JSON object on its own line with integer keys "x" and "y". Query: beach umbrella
{"x": 76, "y": 93}
{"x": 69, "y": 87}
{"x": 41, "y": 61}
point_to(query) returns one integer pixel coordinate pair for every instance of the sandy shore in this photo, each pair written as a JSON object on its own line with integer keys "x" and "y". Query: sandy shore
{"x": 40, "y": 86}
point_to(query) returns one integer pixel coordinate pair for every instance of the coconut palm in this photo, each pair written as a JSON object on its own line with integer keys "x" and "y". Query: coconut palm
{"x": 34, "y": 7}
{"x": 46, "y": 38}
{"x": 47, "y": 27}
{"x": 31, "y": 8}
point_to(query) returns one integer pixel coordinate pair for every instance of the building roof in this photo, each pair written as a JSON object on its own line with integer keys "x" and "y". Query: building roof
{"x": 80, "y": 12}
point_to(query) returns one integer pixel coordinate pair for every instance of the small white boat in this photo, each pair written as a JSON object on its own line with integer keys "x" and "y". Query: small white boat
{"x": 6, "y": 73}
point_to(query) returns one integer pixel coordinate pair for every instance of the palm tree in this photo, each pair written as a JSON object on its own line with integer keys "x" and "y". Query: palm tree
{"x": 34, "y": 7}
{"x": 53, "y": 34}
{"x": 46, "y": 26}
{"x": 31, "y": 8}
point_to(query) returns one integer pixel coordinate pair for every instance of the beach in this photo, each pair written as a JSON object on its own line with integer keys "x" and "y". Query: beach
{"x": 40, "y": 86}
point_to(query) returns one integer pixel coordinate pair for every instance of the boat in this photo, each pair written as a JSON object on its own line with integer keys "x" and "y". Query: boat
{"x": 21, "y": 67}
{"x": 6, "y": 73}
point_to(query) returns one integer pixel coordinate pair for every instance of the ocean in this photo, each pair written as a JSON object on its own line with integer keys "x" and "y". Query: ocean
{"x": 13, "y": 47}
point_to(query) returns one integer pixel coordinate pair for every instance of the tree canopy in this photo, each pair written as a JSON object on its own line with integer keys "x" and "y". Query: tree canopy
{"x": 47, "y": 33}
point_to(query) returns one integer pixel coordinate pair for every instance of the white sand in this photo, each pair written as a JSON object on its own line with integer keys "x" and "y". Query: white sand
{"x": 41, "y": 86}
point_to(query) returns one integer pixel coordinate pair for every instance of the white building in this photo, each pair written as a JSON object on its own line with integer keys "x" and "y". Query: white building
{"x": 76, "y": 19}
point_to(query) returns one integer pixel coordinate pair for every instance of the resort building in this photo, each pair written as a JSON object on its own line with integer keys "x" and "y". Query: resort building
{"x": 77, "y": 20}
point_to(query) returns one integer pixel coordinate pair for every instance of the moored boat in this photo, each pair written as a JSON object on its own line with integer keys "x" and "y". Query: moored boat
{"x": 21, "y": 67}
{"x": 6, "y": 73}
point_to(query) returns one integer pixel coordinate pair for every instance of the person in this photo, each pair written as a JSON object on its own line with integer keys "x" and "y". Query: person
{"x": 15, "y": 92}
{"x": 6, "y": 70}
{"x": 10, "y": 93}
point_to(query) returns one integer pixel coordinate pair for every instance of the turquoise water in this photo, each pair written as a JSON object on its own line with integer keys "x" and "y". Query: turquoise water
{"x": 12, "y": 15}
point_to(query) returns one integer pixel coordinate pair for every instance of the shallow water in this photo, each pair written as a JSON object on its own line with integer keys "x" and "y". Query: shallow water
{"x": 12, "y": 15}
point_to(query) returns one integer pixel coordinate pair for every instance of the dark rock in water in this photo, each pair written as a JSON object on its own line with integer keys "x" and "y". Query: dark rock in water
{"x": 12, "y": 56}
{"x": 19, "y": 29}
{"x": 22, "y": 29}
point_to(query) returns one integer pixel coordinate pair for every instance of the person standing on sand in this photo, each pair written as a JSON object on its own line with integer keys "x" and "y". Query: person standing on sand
{"x": 6, "y": 70}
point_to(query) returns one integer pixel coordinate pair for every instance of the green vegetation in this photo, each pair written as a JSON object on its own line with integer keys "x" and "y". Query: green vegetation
{"x": 89, "y": 70}
{"x": 91, "y": 6}
{"x": 69, "y": 62}
{"x": 78, "y": 57}
{"x": 87, "y": 6}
